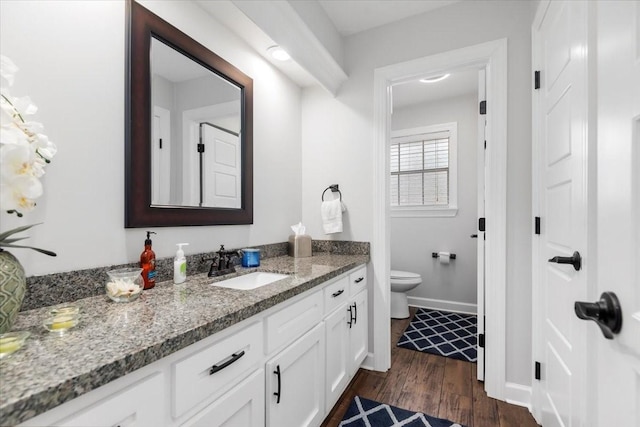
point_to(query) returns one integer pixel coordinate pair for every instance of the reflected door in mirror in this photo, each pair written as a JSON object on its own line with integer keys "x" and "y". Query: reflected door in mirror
{"x": 192, "y": 171}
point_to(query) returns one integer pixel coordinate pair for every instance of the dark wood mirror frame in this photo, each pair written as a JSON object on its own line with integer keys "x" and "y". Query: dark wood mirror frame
{"x": 141, "y": 25}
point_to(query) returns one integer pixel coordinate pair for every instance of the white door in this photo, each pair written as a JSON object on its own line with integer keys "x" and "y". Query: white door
{"x": 358, "y": 331}
{"x": 295, "y": 383}
{"x": 221, "y": 168}
{"x": 337, "y": 355}
{"x": 160, "y": 156}
{"x": 617, "y": 390}
{"x": 560, "y": 107}
{"x": 482, "y": 124}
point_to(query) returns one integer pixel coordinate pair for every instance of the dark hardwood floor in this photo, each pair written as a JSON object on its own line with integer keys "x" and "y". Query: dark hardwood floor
{"x": 438, "y": 386}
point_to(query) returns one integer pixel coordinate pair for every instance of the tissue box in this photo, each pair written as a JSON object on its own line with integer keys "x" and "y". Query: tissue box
{"x": 300, "y": 246}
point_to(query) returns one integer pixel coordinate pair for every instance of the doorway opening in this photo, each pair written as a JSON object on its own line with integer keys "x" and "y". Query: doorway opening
{"x": 491, "y": 56}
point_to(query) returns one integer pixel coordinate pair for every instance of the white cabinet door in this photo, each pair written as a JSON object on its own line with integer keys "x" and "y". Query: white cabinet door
{"x": 241, "y": 407}
{"x": 295, "y": 382}
{"x": 358, "y": 333}
{"x": 338, "y": 348}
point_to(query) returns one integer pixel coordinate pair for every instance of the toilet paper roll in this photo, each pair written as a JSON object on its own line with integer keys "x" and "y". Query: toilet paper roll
{"x": 444, "y": 257}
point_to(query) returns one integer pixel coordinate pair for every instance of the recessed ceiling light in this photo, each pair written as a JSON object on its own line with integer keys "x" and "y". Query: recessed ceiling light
{"x": 278, "y": 53}
{"x": 434, "y": 78}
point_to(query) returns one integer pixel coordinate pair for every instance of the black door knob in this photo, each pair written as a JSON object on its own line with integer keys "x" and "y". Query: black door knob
{"x": 606, "y": 313}
{"x": 575, "y": 260}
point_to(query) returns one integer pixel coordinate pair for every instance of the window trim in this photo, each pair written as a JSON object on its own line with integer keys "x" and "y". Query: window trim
{"x": 451, "y": 209}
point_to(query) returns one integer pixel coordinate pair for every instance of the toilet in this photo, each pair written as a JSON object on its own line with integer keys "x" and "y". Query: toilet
{"x": 401, "y": 283}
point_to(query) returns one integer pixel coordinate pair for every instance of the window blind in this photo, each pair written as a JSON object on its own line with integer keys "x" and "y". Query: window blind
{"x": 419, "y": 166}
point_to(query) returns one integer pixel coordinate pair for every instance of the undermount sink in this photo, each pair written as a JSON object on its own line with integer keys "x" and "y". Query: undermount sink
{"x": 251, "y": 280}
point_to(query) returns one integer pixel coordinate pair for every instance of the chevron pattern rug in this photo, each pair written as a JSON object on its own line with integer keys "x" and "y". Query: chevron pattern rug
{"x": 443, "y": 333}
{"x": 369, "y": 413}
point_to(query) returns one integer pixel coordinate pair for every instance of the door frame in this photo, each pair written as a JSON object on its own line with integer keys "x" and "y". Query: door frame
{"x": 493, "y": 56}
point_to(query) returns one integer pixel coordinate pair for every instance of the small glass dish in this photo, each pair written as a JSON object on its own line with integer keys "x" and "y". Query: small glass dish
{"x": 65, "y": 310}
{"x": 12, "y": 342}
{"x": 125, "y": 284}
{"x": 61, "y": 323}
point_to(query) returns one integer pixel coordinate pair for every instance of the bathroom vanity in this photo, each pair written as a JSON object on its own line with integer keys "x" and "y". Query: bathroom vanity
{"x": 197, "y": 354}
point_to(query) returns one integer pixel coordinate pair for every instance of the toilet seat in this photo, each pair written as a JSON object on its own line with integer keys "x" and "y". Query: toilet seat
{"x": 405, "y": 277}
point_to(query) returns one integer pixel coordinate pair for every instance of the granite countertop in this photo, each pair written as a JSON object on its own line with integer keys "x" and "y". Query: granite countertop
{"x": 114, "y": 339}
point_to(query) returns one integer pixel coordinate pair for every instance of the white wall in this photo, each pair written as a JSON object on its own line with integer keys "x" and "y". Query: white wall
{"x": 414, "y": 239}
{"x": 71, "y": 56}
{"x": 337, "y": 136}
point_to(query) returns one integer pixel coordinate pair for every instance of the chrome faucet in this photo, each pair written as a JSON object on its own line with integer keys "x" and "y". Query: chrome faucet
{"x": 223, "y": 262}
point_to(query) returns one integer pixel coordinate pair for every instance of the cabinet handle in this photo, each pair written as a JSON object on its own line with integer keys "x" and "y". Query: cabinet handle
{"x": 232, "y": 359}
{"x": 338, "y": 293}
{"x": 351, "y": 320}
{"x": 359, "y": 279}
{"x": 355, "y": 310}
{"x": 277, "y": 394}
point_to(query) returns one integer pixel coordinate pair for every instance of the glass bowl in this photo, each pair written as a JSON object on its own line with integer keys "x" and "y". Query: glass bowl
{"x": 12, "y": 342}
{"x": 124, "y": 284}
{"x": 61, "y": 323}
{"x": 68, "y": 309}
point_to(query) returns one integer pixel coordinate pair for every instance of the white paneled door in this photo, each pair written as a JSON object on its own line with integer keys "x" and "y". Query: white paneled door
{"x": 561, "y": 108}
{"x": 617, "y": 391}
{"x": 587, "y": 193}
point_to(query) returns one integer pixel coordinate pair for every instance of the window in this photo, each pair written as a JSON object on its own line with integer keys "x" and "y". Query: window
{"x": 423, "y": 171}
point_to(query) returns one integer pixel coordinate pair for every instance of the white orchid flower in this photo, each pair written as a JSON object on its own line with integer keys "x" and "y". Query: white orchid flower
{"x": 24, "y": 148}
{"x": 20, "y": 160}
{"x": 20, "y": 193}
{"x": 8, "y": 70}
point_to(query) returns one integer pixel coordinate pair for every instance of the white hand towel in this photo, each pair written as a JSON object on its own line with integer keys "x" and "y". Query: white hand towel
{"x": 331, "y": 211}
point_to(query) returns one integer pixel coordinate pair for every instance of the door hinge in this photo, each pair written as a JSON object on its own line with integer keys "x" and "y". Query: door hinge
{"x": 161, "y": 143}
{"x": 481, "y": 224}
{"x": 536, "y": 79}
{"x": 537, "y": 370}
{"x": 537, "y": 225}
{"x": 483, "y": 107}
{"x": 485, "y": 145}
{"x": 481, "y": 340}
{"x": 200, "y": 148}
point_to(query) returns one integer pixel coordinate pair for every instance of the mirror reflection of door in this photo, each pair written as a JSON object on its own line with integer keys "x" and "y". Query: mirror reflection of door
{"x": 160, "y": 156}
{"x": 184, "y": 95}
{"x": 219, "y": 167}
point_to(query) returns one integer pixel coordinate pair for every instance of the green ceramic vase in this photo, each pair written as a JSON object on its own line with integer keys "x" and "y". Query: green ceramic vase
{"x": 13, "y": 284}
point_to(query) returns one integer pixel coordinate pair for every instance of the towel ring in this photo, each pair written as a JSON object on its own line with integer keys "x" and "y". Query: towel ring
{"x": 333, "y": 189}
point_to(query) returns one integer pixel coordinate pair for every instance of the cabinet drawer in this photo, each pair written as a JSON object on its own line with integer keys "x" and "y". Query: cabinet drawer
{"x": 214, "y": 369}
{"x": 358, "y": 280}
{"x": 336, "y": 294}
{"x": 133, "y": 405}
{"x": 292, "y": 321}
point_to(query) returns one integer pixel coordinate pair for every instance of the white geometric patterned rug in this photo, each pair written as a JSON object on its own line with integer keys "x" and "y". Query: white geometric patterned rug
{"x": 369, "y": 413}
{"x": 443, "y": 333}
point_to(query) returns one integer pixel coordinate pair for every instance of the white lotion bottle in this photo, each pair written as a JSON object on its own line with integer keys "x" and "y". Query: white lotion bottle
{"x": 180, "y": 265}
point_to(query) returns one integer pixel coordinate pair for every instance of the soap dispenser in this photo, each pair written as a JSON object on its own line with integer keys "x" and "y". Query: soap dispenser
{"x": 148, "y": 263}
{"x": 180, "y": 265}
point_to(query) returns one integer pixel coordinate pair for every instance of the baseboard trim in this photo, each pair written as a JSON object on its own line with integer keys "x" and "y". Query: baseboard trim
{"x": 437, "y": 304}
{"x": 518, "y": 394}
{"x": 368, "y": 362}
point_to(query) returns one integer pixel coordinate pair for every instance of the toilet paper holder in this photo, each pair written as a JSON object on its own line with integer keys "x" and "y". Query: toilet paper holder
{"x": 435, "y": 255}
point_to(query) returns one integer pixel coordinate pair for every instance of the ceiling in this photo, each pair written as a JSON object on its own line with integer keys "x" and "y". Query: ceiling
{"x": 348, "y": 17}
{"x": 353, "y": 16}
{"x": 459, "y": 83}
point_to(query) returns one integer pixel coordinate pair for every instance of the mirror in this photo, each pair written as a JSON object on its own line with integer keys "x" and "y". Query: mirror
{"x": 189, "y": 146}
